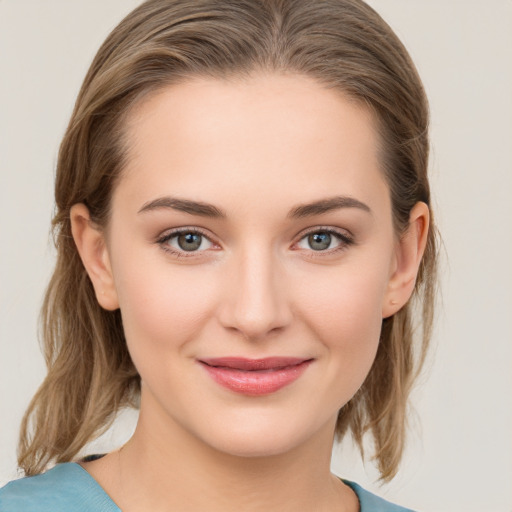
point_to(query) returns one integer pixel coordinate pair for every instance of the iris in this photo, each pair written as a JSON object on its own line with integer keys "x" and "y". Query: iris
{"x": 319, "y": 241}
{"x": 190, "y": 241}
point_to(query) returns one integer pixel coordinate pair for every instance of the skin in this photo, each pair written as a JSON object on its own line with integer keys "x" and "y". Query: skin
{"x": 256, "y": 150}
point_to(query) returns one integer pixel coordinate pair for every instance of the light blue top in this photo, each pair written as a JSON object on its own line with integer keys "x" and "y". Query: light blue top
{"x": 69, "y": 488}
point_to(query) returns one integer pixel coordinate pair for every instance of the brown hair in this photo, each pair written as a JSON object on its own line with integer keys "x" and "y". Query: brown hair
{"x": 344, "y": 45}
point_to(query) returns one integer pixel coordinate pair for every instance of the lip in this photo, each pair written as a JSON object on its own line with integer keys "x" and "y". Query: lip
{"x": 255, "y": 377}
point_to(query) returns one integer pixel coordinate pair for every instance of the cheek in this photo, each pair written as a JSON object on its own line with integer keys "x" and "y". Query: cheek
{"x": 345, "y": 313}
{"x": 345, "y": 300}
{"x": 163, "y": 307}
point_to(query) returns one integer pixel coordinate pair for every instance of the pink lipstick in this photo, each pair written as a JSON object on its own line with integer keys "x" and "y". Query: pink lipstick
{"x": 255, "y": 376}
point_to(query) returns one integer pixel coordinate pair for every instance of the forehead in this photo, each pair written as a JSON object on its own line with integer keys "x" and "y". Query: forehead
{"x": 268, "y": 136}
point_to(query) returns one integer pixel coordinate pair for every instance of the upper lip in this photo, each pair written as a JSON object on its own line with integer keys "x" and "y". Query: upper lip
{"x": 242, "y": 363}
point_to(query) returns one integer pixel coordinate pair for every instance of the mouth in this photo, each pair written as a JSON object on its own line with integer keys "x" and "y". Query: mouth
{"x": 255, "y": 377}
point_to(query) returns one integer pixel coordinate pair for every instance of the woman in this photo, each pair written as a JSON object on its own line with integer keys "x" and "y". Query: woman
{"x": 243, "y": 216}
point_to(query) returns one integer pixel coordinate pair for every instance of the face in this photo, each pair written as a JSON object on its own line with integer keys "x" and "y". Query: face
{"x": 252, "y": 249}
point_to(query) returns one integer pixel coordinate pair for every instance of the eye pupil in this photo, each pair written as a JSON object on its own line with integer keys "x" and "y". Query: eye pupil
{"x": 189, "y": 241}
{"x": 319, "y": 241}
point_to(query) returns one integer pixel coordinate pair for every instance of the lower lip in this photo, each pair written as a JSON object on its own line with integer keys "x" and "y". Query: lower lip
{"x": 255, "y": 383}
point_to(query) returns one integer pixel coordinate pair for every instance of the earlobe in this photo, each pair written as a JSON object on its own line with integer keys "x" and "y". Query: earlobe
{"x": 410, "y": 249}
{"x": 90, "y": 242}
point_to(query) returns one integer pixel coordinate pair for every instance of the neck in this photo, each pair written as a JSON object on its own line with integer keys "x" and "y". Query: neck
{"x": 177, "y": 471}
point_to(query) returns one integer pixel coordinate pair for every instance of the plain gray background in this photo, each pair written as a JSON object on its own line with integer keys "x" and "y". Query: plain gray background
{"x": 460, "y": 451}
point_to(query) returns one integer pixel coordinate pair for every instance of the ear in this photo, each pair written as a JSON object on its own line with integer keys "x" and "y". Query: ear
{"x": 92, "y": 247}
{"x": 409, "y": 252}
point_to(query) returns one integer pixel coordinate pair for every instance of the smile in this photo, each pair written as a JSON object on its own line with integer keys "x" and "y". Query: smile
{"x": 255, "y": 376}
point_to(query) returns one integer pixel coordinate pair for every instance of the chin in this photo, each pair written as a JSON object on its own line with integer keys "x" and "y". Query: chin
{"x": 260, "y": 446}
{"x": 263, "y": 437}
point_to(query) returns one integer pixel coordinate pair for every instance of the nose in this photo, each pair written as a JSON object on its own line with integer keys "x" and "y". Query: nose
{"x": 255, "y": 301}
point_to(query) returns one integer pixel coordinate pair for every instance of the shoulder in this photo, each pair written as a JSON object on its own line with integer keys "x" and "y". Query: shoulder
{"x": 67, "y": 487}
{"x": 371, "y": 503}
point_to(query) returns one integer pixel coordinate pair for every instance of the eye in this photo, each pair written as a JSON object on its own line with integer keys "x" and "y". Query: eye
{"x": 324, "y": 240}
{"x": 185, "y": 241}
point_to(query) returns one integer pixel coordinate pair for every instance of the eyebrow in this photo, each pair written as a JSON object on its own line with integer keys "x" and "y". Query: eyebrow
{"x": 184, "y": 205}
{"x": 208, "y": 210}
{"x": 327, "y": 205}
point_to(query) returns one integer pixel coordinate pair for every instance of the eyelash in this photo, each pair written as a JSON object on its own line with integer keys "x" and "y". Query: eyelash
{"x": 162, "y": 241}
{"x": 344, "y": 239}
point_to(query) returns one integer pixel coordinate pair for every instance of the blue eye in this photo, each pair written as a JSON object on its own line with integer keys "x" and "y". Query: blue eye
{"x": 319, "y": 241}
{"x": 189, "y": 241}
{"x": 186, "y": 241}
{"x": 324, "y": 240}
